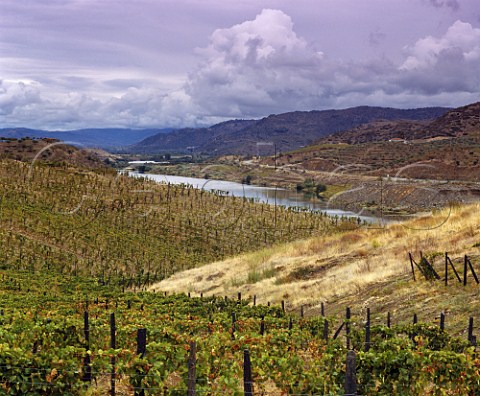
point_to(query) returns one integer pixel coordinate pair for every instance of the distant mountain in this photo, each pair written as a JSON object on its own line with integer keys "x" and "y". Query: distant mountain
{"x": 283, "y": 131}
{"x": 107, "y": 138}
{"x": 446, "y": 148}
{"x": 182, "y": 140}
{"x": 462, "y": 121}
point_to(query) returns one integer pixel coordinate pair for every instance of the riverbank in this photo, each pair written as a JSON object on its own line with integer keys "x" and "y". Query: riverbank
{"x": 268, "y": 195}
{"x": 343, "y": 189}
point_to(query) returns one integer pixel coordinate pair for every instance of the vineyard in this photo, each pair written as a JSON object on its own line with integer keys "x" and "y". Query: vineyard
{"x": 79, "y": 248}
{"x": 56, "y": 338}
{"x": 97, "y": 222}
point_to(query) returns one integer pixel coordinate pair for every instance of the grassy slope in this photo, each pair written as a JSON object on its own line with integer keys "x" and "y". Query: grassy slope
{"x": 366, "y": 267}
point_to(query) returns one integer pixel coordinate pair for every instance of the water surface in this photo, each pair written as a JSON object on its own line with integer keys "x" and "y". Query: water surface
{"x": 269, "y": 195}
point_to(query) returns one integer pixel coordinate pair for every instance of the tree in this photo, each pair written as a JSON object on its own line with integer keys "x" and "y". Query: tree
{"x": 320, "y": 188}
{"x": 247, "y": 179}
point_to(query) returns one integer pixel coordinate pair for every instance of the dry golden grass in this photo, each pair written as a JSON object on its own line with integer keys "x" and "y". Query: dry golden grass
{"x": 354, "y": 267}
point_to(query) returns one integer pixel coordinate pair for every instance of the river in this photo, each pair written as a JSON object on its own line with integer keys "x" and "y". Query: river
{"x": 269, "y": 195}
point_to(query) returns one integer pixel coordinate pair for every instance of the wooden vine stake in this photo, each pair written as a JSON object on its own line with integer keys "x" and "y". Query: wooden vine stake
{"x": 470, "y": 330}
{"x": 351, "y": 377}
{"x": 337, "y": 333}
{"x": 448, "y": 262}
{"x": 325, "y": 330}
{"x": 247, "y": 374}
{"x": 411, "y": 264}
{"x": 234, "y": 321}
{"x": 468, "y": 264}
{"x": 113, "y": 345}
{"x": 347, "y": 326}
{"x": 367, "y": 331}
{"x": 87, "y": 368}
{"x": 141, "y": 351}
{"x": 192, "y": 369}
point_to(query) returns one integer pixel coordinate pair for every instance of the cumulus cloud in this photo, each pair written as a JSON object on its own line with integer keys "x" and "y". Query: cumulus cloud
{"x": 428, "y": 51}
{"x": 32, "y": 104}
{"x": 254, "y": 65}
{"x": 263, "y": 66}
{"x": 450, "y": 63}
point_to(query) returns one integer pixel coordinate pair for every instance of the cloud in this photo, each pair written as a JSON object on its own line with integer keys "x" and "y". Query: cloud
{"x": 452, "y": 4}
{"x": 262, "y": 66}
{"x": 426, "y": 52}
{"x": 250, "y": 69}
{"x": 253, "y": 65}
{"x": 447, "y": 64}
{"x": 376, "y": 37}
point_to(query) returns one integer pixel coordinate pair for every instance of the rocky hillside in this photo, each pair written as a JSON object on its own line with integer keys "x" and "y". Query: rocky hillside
{"x": 458, "y": 122}
{"x": 377, "y": 131}
{"x": 285, "y": 132}
{"x": 463, "y": 121}
{"x": 445, "y": 149}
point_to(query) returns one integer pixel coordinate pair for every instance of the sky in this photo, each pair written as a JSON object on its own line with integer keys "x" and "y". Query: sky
{"x": 69, "y": 64}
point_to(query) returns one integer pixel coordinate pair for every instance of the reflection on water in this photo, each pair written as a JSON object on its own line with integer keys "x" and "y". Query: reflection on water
{"x": 270, "y": 195}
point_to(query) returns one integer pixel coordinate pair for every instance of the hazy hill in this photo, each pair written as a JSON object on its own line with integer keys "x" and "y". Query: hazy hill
{"x": 108, "y": 138}
{"x": 180, "y": 140}
{"x": 287, "y": 131}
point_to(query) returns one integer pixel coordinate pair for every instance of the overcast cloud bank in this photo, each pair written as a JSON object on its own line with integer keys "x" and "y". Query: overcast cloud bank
{"x": 248, "y": 70}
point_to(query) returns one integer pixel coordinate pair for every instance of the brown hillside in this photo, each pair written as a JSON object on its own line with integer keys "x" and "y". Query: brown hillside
{"x": 446, "y": 149}
{"x": 361, "y": 268}
{"x": 463, "y": 121}
{"x": 47, "y": 150}
{"x": 377, "y": 131}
